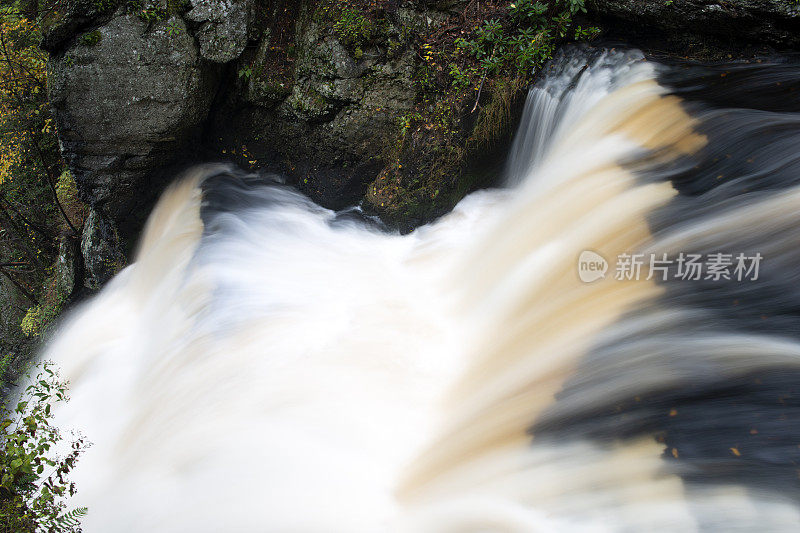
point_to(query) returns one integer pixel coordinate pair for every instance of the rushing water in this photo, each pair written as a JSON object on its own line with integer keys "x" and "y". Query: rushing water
{"x": 269, "y": 365}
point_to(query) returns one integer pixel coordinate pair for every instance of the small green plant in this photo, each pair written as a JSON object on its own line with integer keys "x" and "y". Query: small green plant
{"x": 394, "y": 48}
{"x": 91, "y": 38}
{"x": 149, "y": 13}
{"x": 173, "y": 28}
{"x": 462, "y": 78}
{"x": 425, "y": 75}
{"x": 104, "y": 5}
{"x": 246, "y": 72}
{"x": 527, "y": 11}
{"x": 586, "y": 34}
{"x": 526, "y": 39}
{"x": 152, "y": 14}
{"x": 34, "y": 480}
{"x": 352, "y": 27}
{"x": 575, "y": 5}
{"x": 407, "y": 120}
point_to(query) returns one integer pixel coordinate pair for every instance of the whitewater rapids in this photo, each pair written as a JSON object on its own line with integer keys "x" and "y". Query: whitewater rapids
{"x": 269, "y": 365}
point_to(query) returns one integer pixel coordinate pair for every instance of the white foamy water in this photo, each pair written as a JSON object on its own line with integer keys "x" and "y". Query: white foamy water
{"x": 282, "y": 370}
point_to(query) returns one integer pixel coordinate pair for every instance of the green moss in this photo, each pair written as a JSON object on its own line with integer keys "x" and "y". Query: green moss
{"x": 175, "y": 7}
{"x": 37, "y": 318}
{"x": 354, "y": 26}
{"x": 6, "y": 369}
{"x": 310, "y": 102}
{"x": 441, "y": 152}
{"x": 40, "y": 316}
{"x": 67, "y": 194}
{"x": 394, "y": 48}
{"x": 271, "y": 90}
{"x": 66, "y": 188}
{"x": 91, "y": 38}
{"x": 103, "y": 6}
{"x": 114, "y": 265}
{"x": 422, "y": 171}
{"x": 52, "y": 296}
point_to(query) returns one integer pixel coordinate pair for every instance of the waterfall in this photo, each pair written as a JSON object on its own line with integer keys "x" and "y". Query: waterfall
{"x": 269, "y": 365}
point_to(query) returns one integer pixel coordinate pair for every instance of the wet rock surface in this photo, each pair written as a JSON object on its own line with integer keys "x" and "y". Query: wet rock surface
{"x": 732, "y": 22}
{"x": 328, "y": 116}
{"x": 100, "y": 247}
{"x": 303, "y": 88}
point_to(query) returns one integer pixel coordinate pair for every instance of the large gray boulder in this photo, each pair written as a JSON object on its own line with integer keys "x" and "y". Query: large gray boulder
{"x": 223, "y": 30}
{"x": 130, "y": 99}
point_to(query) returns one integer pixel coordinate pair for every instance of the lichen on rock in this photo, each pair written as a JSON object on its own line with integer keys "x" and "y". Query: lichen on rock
{"x": 223, "y": 31}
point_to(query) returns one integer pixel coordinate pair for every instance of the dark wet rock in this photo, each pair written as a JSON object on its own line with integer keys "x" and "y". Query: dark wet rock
{"x": 72, "y": 18}
{"x": 327, "y": 115}
{"x": 280, "y": 84}
{"x": 100, "y": 247}
{"x": 68, "y": 266}
{"x": 774, "y": 22}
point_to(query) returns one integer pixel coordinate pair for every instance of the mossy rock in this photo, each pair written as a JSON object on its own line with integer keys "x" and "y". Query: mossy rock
{"x": 445, "y": 153}
{"x": 91, "y": 38}
{"x": 309, "y": 105}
